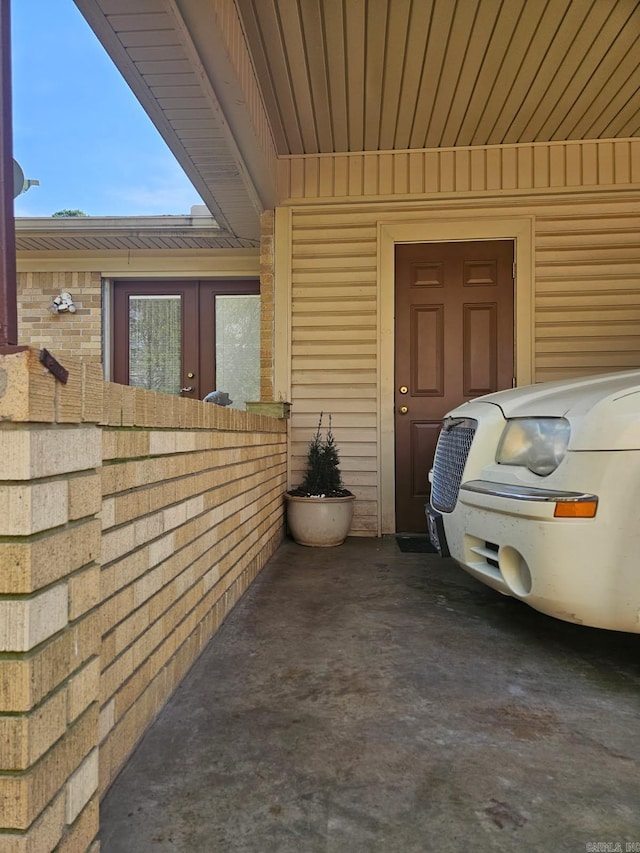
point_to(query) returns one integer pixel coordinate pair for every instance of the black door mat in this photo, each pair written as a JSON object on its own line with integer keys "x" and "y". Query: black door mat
{"x": 415, "y": 544}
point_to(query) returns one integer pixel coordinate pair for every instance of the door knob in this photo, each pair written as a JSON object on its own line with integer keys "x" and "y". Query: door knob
{"x": 403, "y": 410}
{"x": 187, "y": 389}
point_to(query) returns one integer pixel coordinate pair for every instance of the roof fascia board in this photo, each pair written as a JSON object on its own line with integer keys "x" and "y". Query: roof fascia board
{"x": 83, "y": 224}
{"x": 98, "y": 21}
{"x": 205, "y": 33}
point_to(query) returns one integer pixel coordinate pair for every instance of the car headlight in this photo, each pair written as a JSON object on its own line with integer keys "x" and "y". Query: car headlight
{"x": 539, "y": 444}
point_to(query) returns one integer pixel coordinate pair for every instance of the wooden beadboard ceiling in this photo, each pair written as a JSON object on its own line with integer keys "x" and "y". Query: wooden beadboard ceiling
{"x": 353, "y": 75}
{"x": 150, "y": 42}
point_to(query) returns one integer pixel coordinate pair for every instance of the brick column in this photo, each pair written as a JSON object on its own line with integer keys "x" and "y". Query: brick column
{"x": 50, "y": 497}
{"x": 267, "y": 223}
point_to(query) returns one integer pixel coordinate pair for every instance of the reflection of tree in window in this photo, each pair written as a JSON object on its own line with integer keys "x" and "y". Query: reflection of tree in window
{"x": 154, "y": 343}
{"x": 238, "y": 347}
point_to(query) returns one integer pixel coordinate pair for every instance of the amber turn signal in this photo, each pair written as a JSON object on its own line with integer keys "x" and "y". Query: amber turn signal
{"x": 576, "y": 509}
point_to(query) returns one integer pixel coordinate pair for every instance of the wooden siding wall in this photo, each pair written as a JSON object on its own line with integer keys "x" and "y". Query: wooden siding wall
{"x": 587, "y": 289}
{"x": 586, "y": 297}
{"x": 334, "y": 346}
{"x": 572, "y": 166}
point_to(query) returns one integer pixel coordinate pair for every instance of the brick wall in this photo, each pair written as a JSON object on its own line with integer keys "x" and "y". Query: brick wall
{"x": 267, "y": 302}
{"x": 189, "y": 517}
{"x": 130, "y": 524}
{"x": 76, "y": 335}
{"x": 79, "y": 335}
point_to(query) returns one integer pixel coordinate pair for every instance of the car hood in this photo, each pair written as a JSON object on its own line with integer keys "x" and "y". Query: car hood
{"x": 565, "y": 397}
{"x": 604, "y": 410}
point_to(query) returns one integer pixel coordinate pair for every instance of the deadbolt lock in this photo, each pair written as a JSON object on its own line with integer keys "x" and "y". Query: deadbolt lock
{"x": 403, "y": 410}
{"x": 403, "y": 389}
{"x": 190, "y": 375}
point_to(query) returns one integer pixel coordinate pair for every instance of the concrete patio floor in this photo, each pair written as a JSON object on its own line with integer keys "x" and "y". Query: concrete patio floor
{"x": 362, "y": 700}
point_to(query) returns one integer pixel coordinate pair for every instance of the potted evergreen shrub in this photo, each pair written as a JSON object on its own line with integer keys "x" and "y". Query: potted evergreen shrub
{"x": 320, "y": 509}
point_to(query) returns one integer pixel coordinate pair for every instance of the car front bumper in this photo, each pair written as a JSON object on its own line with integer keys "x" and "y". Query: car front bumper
{"x": 582, "y": 570}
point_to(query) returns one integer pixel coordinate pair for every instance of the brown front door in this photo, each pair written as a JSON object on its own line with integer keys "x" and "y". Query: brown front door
{"x": 454, "y": 341}
{"x": 188, "y": 337}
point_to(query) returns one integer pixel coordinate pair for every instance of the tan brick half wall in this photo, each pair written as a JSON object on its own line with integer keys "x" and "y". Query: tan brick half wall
{"x": 189, "y": 518}
{"x": 50, "y": 500}
{"x": 130, "y": 524}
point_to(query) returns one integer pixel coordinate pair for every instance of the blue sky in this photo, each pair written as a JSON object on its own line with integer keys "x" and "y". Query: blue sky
{"x": 77, "y": 127}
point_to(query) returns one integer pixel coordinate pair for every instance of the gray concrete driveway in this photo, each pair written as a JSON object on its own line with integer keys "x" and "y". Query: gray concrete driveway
{"x": 362, "y": 700}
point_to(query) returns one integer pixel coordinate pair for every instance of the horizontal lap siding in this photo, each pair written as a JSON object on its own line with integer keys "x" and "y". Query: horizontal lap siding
{"x": 586, "y": 310}
{"x": 334, "y": 351}
{"x": 490, "y": 169}
{"x": 587, "y": 291}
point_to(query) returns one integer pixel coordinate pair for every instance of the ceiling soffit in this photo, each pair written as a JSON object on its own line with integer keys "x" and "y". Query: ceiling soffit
{"x": 103, "y": 233}
{"x": 354, "y": 75}
{"x": 151, "y": 45}
{"x": 230, "y": 83}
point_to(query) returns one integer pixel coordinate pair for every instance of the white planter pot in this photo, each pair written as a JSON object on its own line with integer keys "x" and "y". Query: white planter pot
{"x": 319, "y": 522}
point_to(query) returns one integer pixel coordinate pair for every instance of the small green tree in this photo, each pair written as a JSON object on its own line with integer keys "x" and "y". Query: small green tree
{"x": 69, "y": 212}
{"x": 322, "y": 474}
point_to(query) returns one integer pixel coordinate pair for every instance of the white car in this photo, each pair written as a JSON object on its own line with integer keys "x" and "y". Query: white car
{"x": 536, "y": 493}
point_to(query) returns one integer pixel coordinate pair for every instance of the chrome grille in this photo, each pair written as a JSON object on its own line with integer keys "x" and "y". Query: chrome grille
{"x": 452, "y": 450}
